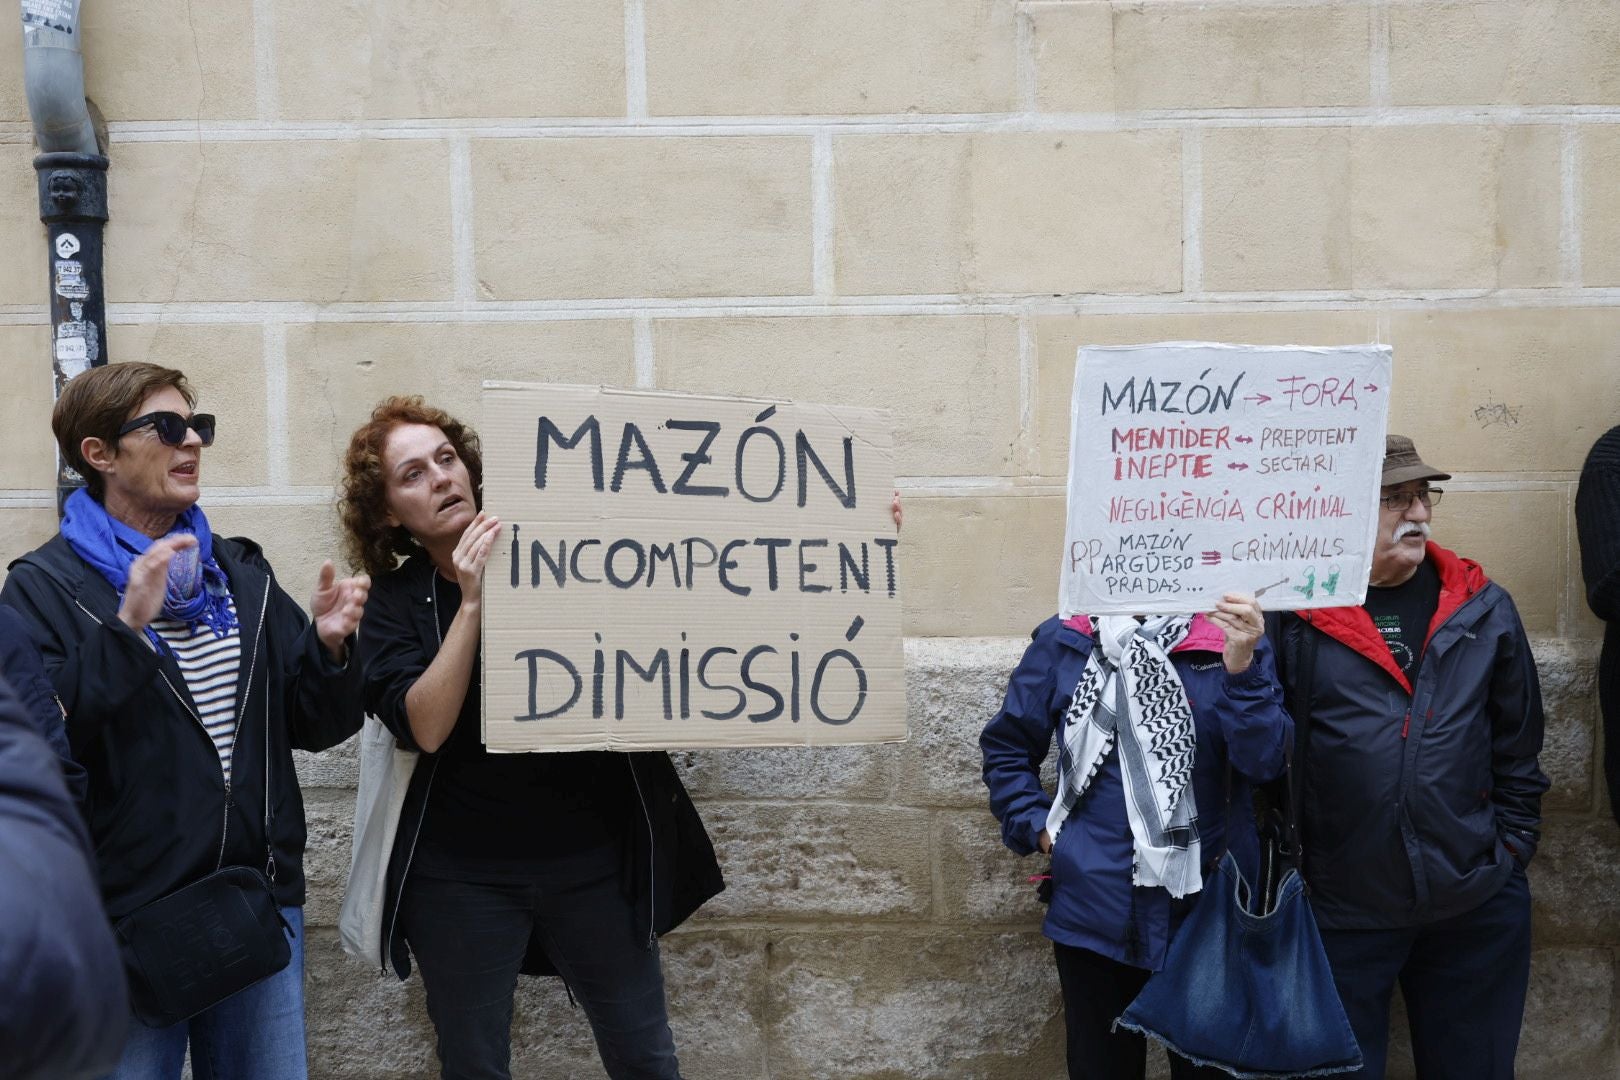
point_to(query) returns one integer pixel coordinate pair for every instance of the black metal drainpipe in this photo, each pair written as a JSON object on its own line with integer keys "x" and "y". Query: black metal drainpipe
{"x": 73, "y": 206}
{"x": 72, "y": 169}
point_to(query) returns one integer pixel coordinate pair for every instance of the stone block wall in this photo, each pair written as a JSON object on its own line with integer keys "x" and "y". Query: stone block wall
{"x": 925, "y": 205}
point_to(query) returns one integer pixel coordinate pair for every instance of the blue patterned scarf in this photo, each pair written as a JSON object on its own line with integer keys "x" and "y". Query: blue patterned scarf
{"x": 197, "y": 592}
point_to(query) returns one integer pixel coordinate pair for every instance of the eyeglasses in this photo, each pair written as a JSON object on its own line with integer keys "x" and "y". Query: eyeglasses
{"x": 1403, "y": 499}
{"x": 171, "y": 426}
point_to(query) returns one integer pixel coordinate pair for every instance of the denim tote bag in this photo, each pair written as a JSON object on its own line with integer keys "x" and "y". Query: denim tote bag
{"x": 1250, "y": 994}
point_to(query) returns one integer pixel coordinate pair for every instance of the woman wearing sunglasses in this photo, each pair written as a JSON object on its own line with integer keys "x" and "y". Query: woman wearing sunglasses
{"x": 186, "y": 676}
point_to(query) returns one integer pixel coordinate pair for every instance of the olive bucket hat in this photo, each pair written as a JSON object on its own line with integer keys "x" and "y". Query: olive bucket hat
{"x": 1402, "y": 464}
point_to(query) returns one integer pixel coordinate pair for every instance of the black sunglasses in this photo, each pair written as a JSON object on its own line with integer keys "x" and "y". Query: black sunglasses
{"x": 171, "y": 426}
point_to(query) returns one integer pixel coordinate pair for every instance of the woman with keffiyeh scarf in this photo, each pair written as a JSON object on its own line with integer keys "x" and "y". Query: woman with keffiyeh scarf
{"x": 185, "y": 676}
{"x": 1162, "y": 725}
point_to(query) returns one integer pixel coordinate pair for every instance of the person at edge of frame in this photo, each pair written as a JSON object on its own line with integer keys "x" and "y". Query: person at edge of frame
{"x": 1421, "y": 803}
{"x": 178, "y": 659}
{"x": 623, "y": 856}
{"x": 1123, "y": 878}
{"x": 64, "y": 1011}
{"x": 1597, "y": 524}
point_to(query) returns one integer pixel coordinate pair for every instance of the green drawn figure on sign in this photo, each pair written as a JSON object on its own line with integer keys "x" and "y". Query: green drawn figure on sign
{"x": 1331, "y": 585}
{"x": 1308, "y": 590}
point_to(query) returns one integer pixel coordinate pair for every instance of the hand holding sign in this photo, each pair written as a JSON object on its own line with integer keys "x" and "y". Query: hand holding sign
{"x": 1239, "y": 617}
{"x": 472, "y": 555}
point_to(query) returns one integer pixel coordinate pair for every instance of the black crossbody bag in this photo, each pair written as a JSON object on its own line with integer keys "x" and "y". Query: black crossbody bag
{"x": 188, "y": 951}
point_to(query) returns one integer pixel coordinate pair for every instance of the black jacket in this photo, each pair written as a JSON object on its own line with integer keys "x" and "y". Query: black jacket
{"x": 161, "y": 814}
{"x": 1418, "y": 798}
{"x": 62, "y": 1010}
{"x": 1597, "y": 523}
{"x": 668, "y": 865}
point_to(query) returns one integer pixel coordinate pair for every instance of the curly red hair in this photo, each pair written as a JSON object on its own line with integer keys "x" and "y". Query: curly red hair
{"x": 370, "y": 543}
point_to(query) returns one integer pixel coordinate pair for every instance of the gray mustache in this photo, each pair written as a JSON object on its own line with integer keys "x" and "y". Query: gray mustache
{"x": 1407, "y": 528}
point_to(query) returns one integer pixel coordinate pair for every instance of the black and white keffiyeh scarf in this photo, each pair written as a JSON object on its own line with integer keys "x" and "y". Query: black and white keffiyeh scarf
{"x": 1130, "y": 694}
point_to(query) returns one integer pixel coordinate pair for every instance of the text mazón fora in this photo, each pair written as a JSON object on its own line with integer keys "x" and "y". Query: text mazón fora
{"x": 1202, "y": 397}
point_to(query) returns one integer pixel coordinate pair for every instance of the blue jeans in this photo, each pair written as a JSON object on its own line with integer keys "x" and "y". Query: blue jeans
{"x": 1464, "y": 981}
{"x": 470, "y": 941}
{"x": 257, "y": 1034}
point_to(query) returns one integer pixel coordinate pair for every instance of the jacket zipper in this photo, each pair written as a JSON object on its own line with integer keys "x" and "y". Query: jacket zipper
{"x": 247, "y": 690}
{"x": 652, "y": 858}
{"x": 1406, "y": 724}
{"x": 421, "y": 815}
{"x": 225, "y": 819}
{"x": 410, "y": 856}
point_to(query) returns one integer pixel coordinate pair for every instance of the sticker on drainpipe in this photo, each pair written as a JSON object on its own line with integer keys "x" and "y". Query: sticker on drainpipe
{"x": 76, "y": 347}
{"x": 67, "y": 246}
{"x": 44, "y": 11}
{"x": 70, "y": 283}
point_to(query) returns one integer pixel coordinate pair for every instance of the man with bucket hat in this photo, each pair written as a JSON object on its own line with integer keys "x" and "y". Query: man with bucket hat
{"x": 1421, "y": 790}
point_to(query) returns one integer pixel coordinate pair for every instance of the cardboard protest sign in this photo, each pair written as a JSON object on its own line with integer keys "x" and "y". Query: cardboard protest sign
{"x": 679, "y": 571}
{"x": 1197, "y": 469}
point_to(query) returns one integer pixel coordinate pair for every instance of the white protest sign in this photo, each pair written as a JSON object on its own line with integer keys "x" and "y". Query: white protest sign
{"x": 1197, "y": 469}
{"x": 679, "y": 571}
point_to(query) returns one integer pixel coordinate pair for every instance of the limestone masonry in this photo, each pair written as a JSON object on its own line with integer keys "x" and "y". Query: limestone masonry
{"x": 926, "y": 205}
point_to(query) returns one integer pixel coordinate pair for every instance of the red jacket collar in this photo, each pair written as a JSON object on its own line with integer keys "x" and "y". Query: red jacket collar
{"x": 1352, "y": 627}
{"x": 1202, "y": 636}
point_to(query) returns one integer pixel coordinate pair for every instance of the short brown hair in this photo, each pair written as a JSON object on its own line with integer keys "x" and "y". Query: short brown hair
{"x": 96, "y": 403}
{"x": 370, "y": 543}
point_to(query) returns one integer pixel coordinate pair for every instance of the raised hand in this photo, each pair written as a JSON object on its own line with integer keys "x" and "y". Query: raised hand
{"x": 149, "y": 581}
{"x": 894, "y": 509}
{"x": 472, "y": 555}
{"x": 336, "y": 606}
{"x": 1239, "y": 617}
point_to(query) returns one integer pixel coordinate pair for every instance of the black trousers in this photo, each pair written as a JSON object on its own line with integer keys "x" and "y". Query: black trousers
{"x": 469, "y": 941}
{"x": 1095, "y": 991}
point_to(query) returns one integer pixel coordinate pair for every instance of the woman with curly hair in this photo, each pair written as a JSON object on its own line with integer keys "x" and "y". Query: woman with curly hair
{"x": 566, "y": 864}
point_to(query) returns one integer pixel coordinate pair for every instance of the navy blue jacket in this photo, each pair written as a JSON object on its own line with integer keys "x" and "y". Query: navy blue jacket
{"x": 1238, "y": 718}
{"x": 1419, "y": 797}
{"x": 62, "y": 1010}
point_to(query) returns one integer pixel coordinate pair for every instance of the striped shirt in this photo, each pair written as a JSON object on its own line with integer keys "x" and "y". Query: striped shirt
{"x": 210, "y": 665}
